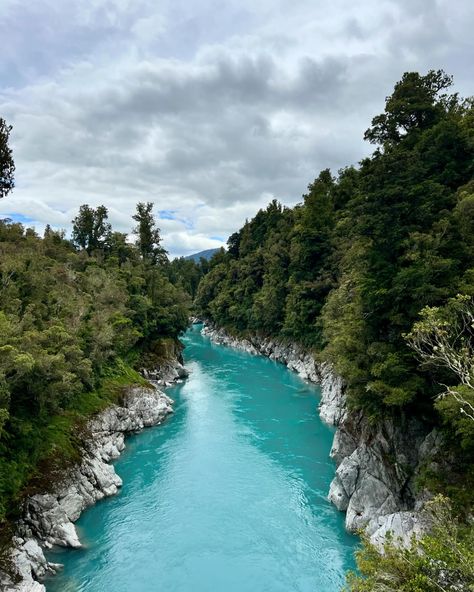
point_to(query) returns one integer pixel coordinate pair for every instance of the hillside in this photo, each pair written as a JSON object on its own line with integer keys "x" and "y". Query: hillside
{"x": 374, "y": 274}
{"x": 207, "y": 254}
{"x": 77, "y": 320}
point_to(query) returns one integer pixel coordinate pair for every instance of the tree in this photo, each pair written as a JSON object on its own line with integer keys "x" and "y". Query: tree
{"x": 444, "y": 338}
{"x": 366, "y": 251}
{"x": 83, "y": 225}
{"x": 120, "y": 249}
{"x": 70, "y": 328}
{"x": 7, "y": 166}
{"x": 441, "y": 561}
{"x": 101, "y": 228}
{"x": 148, "y": 235}
{"x": 91, "y": 231}
{"x": 416, "y": 103}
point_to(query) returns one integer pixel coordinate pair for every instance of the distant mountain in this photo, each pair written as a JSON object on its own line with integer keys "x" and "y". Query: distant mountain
{"x": 207, "y": 254}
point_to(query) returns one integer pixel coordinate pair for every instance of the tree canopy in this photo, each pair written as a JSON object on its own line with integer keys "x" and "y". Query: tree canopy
{"x": 75, "y": 318}
{"x": 7, "y": 165}
{"x": 374, "y": 273}
{"x": 347, "y": 271}
{"x": 148, "y": 234}
{"x": 90, "y": 230}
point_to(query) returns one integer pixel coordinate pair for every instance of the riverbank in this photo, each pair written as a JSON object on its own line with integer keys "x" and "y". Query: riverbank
{"x": 377, "y": 465}
{"x": 229, "y": 494}
{"x": 48, "y": 518}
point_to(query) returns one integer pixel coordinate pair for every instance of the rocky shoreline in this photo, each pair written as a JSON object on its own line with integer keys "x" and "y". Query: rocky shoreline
{"x": 377, "y": 465}
{"x": 374, "y": 482}
{"x": 48, "y": 519}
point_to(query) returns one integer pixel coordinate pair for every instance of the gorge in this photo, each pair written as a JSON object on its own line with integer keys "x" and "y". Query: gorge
{"x": 365, "y": 290}
{"x": 230, "y": 493}
{"x": 377, "y": 466}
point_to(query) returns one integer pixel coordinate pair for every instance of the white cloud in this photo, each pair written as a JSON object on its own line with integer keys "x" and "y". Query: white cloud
{"x": 207, "y": 109}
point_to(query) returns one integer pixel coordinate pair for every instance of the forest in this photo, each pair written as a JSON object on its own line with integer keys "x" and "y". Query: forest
{"x": 374, "y": 271}
{"x": 78, "y": 318}
{"x": 348, "y": 271}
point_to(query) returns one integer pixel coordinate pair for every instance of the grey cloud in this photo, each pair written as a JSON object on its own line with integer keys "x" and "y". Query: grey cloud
{"x": 227, "y": 106}
{"x": 152, "y": 93}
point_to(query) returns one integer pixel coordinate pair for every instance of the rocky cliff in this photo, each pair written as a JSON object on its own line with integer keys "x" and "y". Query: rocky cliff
{"x": 48, "y": 519}
{"x": 377, "y": 465}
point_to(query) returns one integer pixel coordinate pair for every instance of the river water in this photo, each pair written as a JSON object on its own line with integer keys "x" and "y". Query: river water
{"x": 229, "y": 495}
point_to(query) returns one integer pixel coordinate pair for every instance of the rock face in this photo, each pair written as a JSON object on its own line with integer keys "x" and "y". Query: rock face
{"x": 376, "y": 465}
{"x": 48, "y": 519}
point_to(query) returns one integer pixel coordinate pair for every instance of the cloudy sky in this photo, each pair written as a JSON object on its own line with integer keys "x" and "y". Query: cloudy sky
{"x": 207, "y": 108}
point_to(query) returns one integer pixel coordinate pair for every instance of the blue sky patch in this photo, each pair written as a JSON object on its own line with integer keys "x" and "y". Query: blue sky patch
{"x": 18, "y": 218}
{"x": 167, "y": 214}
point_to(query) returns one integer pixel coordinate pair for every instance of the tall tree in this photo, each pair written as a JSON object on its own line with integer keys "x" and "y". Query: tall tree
{"x": 415, "y": 104}
{"x": 91, "y": 231}
{"x": 7, "y": 166}
{"x": 148, "y": 235}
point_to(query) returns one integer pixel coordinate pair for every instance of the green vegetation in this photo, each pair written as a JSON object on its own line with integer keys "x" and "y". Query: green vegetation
{"x": 348, "y": 271}
{"x": 187, "y": 274}
{"x": 7, "y": 166}
{"x": 444, "y": 338}
{"x": 374, "y": 272}
{"x": 442, "y": 561}
{"x": 75, "y": 319}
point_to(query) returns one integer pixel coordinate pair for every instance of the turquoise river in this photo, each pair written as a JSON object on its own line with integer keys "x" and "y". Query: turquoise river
{"x": 229, "y": 495}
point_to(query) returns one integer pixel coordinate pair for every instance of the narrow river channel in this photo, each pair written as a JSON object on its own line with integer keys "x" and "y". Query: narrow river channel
{"x": 228, "y": 496}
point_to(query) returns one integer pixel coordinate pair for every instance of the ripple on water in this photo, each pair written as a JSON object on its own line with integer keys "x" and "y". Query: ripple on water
{"x": 228, "y": 495}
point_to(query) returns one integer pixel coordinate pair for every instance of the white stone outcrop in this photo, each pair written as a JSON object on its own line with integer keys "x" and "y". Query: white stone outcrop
{"x": 376, "y": 466}
{"x": 375, "y": 477}
{"x": 402, "y": 526}
{"x": 48, "y": 519}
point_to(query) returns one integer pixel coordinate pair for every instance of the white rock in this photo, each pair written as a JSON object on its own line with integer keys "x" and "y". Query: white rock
{"x": 338, "y": 495}
{"x": 402, "y": 526}
{"x": 72, "y": 504}
{"x": 332, "y": 408}
{"x": 343, "y": 445}
{"x": 30, "y": 562}
{"x": 373, "y": 482}
{"x": 65, "y": 535}
{"x": 371, "y": 498}
{"x": 348, "y": 473}
{"x": 49, "y": 517}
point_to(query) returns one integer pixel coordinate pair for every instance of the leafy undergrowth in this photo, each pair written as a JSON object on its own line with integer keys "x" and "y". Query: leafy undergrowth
{"x": 442, "y": 561}
{"x": 50, "y": 447}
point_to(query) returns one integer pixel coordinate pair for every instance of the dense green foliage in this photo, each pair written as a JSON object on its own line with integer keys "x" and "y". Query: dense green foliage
{"x": 91, "y": 231}
{"x": 374, "y": 271}
{"x": 348, "y": 270}
{"x": 187, "y": 272}
{"x": 440, "y": 561}
{"x": 148, "y": 241}
{"x": 73, "y": 321}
